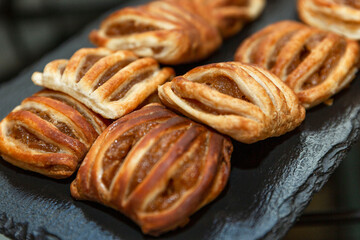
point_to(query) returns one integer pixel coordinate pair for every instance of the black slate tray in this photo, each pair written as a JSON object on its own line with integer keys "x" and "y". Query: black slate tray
{"x": 271, "y": 181}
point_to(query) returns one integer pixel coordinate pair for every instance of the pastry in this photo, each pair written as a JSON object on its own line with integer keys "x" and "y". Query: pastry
{"x": 228, "y": 16}
{"x": 243, "y": 101}
{"x": 49, "y": 133}
{"x": 165, "y": 31}
{"x": 155, "y": 167}
{"x": 339, "y": 16}
{"x": 316, "y": 64}
{"x": 111, "y": 83}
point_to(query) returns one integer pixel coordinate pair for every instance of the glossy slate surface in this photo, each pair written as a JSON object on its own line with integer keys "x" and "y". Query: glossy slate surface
{"x": 271, "y": 182}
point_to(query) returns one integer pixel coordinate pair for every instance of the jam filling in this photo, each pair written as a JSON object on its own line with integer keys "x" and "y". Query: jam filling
{"x": 90, "y": 60}
{"x": 328, "y": 65}
{"x": 297, "y": 60}
{"x": 153, "y": 155}
{"x": 185, "y": 177}
{"x": 119, "y": 149}
{"x": 111, "y": 72}
{"x": 63, "y": 127}
{"x": 128, "y": 27}
{"x": 229, "y": 22}
{"x": 21, "y": 134}
{"x": 74, "y": 106}
{"x": 224, "y": 85}
{"x": 139, "y": 78}
{"x": 279, "y": 45}
{"x": 157, "y": 50}
{"x": 230, "y": 3}
{"x": 204, "y": 108}
{"x": 310, "y": 44}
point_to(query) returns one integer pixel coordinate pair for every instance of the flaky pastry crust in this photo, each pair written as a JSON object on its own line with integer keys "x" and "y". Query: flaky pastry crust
{"x": 339, "y": 16}
{"x": 49, "y": 133}
{"x": 228, "y": 16}
{"x": 162, "y": 30}
{"x": 155, "y": 167}
{"x": 245, "y": 102}
{"x": 316, "y": 64}
{"x": 111, "y": 83}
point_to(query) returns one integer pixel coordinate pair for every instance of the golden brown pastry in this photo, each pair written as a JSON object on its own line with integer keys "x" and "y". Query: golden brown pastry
{"x": 339, "y": 16}
{"x": 243, "y": 101}
{"x": 155, "y": 167}
{"x": 314, "y": 63}
{"x": 162, "y": 30}
{"x": 228, "y": 16}
{"x": 49, "y": 133}
{"x": 111, "y": 83}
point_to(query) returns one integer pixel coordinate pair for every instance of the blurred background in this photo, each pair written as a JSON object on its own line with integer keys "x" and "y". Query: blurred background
{"x": 31, "y": 28}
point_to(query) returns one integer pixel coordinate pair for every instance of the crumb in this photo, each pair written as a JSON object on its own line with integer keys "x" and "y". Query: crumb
{"x": 329, "y": 102}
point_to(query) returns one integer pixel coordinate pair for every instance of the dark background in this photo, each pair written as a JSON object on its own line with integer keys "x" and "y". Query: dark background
{"x": 31, "y": 28}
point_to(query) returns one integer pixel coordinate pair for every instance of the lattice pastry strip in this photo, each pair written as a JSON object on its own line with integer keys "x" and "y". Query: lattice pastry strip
{"x": 165, "y": 31}
{"x": 110, "y": 83}
{"x": 314, "y": 63}
{"x": 49, "y": 133}
{"x": 155, "y": 167}
{"x": 339, "y": 16}
{"x": 245, "y": 102}
{"x": 228, "y": 16}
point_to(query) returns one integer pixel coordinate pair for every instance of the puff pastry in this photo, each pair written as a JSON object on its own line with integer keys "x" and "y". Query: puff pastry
{"x": 315, "y": 64}
{"x": 243, "y": 101}
{"x": 49, "y": 133}
{"x": 110, "y": 83}
{"x": 155, "y": 167}
{"x": 228, "y": 16}
{"x": 339, "y": 16}
{"x": 163, "y": 30}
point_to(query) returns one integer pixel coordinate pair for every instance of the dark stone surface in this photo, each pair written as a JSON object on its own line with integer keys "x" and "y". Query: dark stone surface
{"x": 271, "y": 181}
